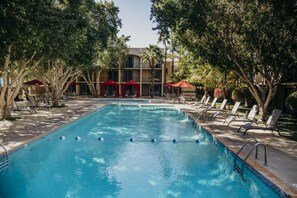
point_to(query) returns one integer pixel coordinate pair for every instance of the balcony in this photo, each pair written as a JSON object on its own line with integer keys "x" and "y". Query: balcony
{"x": 148, "y": 79}
{"x": 132, "y": 66}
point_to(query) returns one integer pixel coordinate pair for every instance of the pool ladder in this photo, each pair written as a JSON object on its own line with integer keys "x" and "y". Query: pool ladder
{"x": 5, "y": 161}
{"x": 240, "y": 169}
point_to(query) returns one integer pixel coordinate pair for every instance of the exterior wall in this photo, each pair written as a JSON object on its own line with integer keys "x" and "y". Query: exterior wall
{"x": 136, "y": 70}
{"x": 169, "y": 70}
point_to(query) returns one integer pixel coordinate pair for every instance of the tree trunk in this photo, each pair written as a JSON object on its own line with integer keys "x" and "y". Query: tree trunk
{"x": 98, "y": 82}
{"x": 55, "y": 99}
{"x": 13, "y": 76}
{"x": 89, "y": 78}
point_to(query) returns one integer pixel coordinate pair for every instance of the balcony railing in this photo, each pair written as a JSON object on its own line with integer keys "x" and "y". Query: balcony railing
{"x": 148, "y": 79}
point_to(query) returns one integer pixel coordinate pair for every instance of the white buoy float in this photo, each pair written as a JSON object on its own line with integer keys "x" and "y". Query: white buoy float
{"x": 62, "y": 138}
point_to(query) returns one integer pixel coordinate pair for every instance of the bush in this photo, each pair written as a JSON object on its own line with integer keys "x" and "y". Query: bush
{"x": 242, "y": 94}
{"x": 291, "y": 104}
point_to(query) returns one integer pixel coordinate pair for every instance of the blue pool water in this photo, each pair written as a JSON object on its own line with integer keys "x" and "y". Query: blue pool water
{"x": 116, "y": 167}
{"x": 124, "y": 101}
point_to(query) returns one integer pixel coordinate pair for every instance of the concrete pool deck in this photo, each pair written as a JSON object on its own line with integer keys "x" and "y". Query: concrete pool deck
{"x": 282, "y": 153}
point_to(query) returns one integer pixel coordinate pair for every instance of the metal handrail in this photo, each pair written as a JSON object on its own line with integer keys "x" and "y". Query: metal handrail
{"x": 5, "y": 163}
{"x": 240, "y": 170}
{"x": 265, "y": 152}
{"x": 236, "y": 167}
{"x": 6, "y": 152}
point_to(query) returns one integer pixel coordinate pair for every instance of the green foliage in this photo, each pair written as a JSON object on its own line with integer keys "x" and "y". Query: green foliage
{"x": 291, "y": 104}
{"x": 154, "y": 55}
{"x": 246, "y": 37}
{"x": 241, "y": 94}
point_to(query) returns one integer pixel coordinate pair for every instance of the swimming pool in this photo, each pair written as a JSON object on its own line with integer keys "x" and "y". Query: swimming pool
{"x": 117, "y": 167}
{"x": 129, "y": 101}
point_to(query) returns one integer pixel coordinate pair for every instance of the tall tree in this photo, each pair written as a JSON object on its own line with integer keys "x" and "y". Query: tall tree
{"x": 122, "y": 51}
{"x": 105, "y": 60}
{"x": 77, "y": 40}
{"x": 153, "y": 55}
{"x": 249, "y": 37}
{"x": 19, "y": 46}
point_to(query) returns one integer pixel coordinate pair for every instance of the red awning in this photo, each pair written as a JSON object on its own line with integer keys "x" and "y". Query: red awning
{"x": 131, "y": 83}
{"x": 107, "y": 83}
{"x": 110, "y": 82}
{"x": 182, "y": 84}
{"x": 33, "y": 82}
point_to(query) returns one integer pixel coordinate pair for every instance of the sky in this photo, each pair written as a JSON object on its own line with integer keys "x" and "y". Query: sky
{"x": 135, "y": 16}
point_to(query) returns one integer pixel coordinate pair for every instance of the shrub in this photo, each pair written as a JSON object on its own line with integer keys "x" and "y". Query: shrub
{"x": 242, "y": 94}
{"x": 291, "y": 104}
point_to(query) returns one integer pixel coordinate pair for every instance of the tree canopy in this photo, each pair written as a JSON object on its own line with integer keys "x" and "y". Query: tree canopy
{"x": 247, "y": 37}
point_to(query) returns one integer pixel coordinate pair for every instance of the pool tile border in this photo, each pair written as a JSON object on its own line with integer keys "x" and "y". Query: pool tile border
{"x": 273, "y": 182}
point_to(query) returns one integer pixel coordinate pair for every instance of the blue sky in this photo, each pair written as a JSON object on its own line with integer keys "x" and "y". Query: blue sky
{"x": 135, "y": 16}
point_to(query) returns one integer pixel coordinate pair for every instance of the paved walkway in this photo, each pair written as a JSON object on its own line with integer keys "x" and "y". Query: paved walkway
{"x": 282, "y": 153}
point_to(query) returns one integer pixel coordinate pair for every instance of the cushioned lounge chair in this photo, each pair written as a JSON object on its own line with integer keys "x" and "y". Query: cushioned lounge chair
{"x": 270, "y": 124}
{"x": 249, "y": 118}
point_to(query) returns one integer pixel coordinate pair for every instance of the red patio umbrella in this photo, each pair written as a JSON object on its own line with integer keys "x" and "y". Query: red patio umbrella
{"x": 182, "y": 84}
{"x": 169, "y": 84}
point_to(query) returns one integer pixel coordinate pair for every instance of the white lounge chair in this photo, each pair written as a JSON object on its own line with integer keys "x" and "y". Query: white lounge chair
{"x": 192, "y": 104}
{"x": 232, "y": 113}
{"x": 205, "y": 106}
{"x": 205, "y": 103}
{"x": 270, "y": 124}
{"x": 212, "y": 108}
{"x": 249, "y": 118}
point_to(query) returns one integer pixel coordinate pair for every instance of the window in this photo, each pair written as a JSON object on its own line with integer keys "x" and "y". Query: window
{"x": 113, "y": 75}
{"x": 130, "y": 62}
{"x": 128, "y": 75}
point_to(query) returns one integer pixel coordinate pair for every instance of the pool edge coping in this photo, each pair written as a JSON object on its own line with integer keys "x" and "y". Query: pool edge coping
{"x": 269, "y": 176}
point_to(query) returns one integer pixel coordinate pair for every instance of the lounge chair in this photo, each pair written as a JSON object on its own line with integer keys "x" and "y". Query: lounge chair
{"x": 211, "y": 109}
{"x": 232, "y": 113}
{"x": 15, "y": 107}
{"x": 205, "y": 103}
{"x": 192, "y": 104}
{"x": 127, "y": 93}
{"x": 249, "y": 118}
{"x": 34, "y": 103}
{"x": 205, "y": 106}
{"x": 270, "y": 124}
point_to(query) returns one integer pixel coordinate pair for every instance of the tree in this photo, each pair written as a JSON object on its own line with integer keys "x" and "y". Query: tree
{"x": 248, "y": 37}
{"x": 153, "y": 55}
{"x": 105, "y": 60}
{"x": 77, "y": 40}
{"x": 19, "y": 46}
{"x": 122, "y": 51}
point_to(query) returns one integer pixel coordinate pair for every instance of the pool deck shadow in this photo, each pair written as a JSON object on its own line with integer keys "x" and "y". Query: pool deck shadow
{"x": 282, "y": 152}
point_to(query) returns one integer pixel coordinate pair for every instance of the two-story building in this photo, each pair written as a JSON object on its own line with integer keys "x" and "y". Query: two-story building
{"x": 136, "y": 70}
